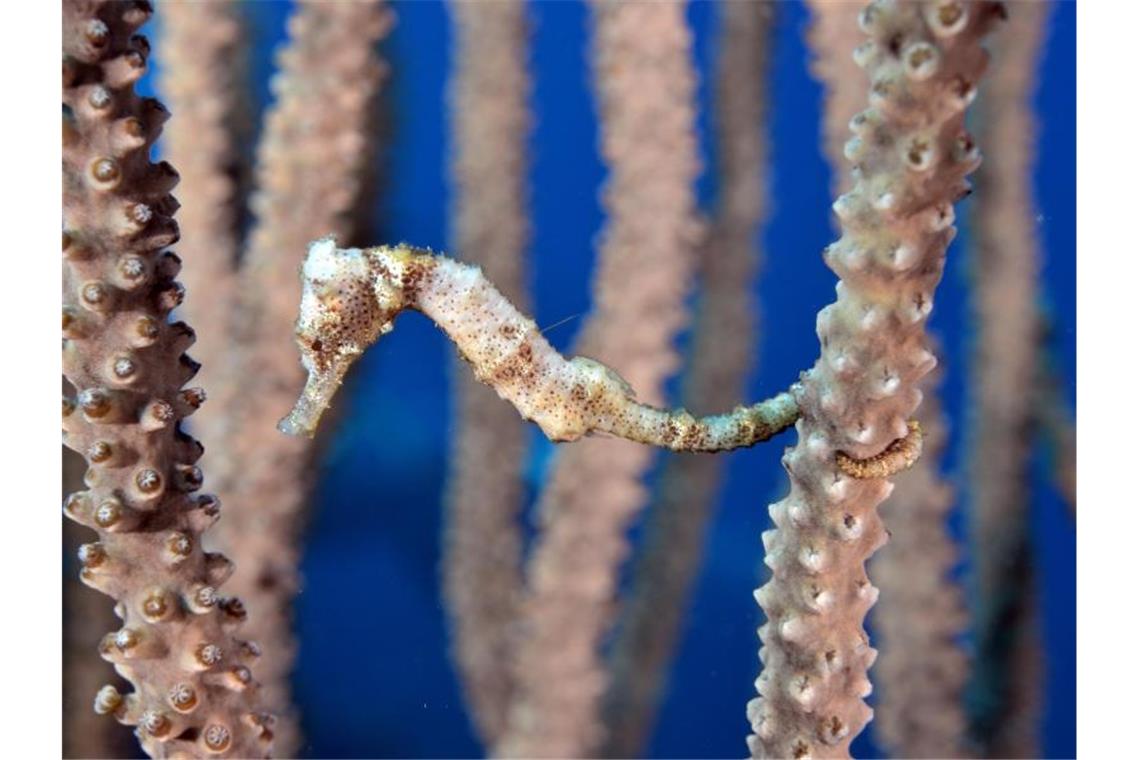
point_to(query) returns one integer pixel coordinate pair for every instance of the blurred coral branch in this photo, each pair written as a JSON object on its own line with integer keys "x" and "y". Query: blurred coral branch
{"x": 490, "y": 123}
{"x": 1003, "y": 696}
{"x": 645, "y": 90}
{"x": 833, "y": 34}
{"x": 309, "y": 172}
{"x": 671, "y": 552}
{"x": 922, "y": 668}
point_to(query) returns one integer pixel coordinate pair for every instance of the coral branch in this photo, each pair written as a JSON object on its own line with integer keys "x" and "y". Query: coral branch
{"x": 483, "y": 542}
{"x": 1003, "y": 696}
{"x": 910, "y": 155}
{"x": 920, "y": 610}
{"x": 920, "y": 613}
{"x": 1054, "y": 421}
{"x": 351, "y": 297}
{"x": 86, "y": 617}
{"x": 671, "y": 552}
{"x": 833, "y": 34}
{"x": 199, "y": 82}
{"x": 645, "y": 90}
{"x": 308, "y": 177}
{"x": 194, "y": 693}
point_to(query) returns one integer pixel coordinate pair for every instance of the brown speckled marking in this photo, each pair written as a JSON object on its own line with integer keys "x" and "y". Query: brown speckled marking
{"x": 416, "y": 270}
{"x": 378, "y": 270}
{"x": 518, "y": 365}
{"x": 695, "y": 436}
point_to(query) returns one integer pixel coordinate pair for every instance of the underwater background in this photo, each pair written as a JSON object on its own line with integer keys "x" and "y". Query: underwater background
{"x": 373, "y": 674}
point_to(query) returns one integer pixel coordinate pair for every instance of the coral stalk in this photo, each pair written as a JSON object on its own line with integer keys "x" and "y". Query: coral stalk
{"x": 308, "y": 175}
{"x": 645, "y": 87}
{"x": 910, "y": 156}
{"x": 86, "y": 617}
{"x": 671, "y": 552}
{"x": 193, "y": 690}
{"x": 483, "y": 542}
{"x": 1054, "y": 421}
{"x": 833, "y": 34}
{"x": 200, "y": 83}
{"x": 922, "y": 669}
{"x": 1004, "y": 709}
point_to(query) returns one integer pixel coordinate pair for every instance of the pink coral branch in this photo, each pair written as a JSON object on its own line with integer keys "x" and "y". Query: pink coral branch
{"x": 193, "y": 689}
{"x": 922, "y": 668}
{"x": 910, "y": 155}
{"x": 483, "y": 542}
{"x": 646, "y": 89}
{"x": 200, "y": 83}
{"x": 833, "y": 34}
{"x": 1005, "y": 701}
{"x": 308, "y": 175}
{"x": 671, "y": 553}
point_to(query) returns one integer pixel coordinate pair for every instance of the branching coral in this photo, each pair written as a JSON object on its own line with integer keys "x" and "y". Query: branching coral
{"x": 922, "y": 669}
{"x": 194, "y": 692}
{"x": 86, "y": 734}
{"x": 309, "y": 172}
{"x": 645, "y": 90}
{"x": 199, "y": 82}
{"x": 531, "y": 656}
{"x": 671, "y": 552}
{"x": 910, "y": 155}
{"x": 833, "y": 34}
{"x": 483, "y": 553}
{"x": 1004, "y": 701}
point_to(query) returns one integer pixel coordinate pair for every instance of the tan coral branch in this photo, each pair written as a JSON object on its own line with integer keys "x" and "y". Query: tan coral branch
{"x": 910, "y": 155}
{"x": 833, "y": 34}
{"x": 490, "y": 121}
{"x": 669, "y": 557}
{"x": 86, "y": 617}
{"x": 646, "y": 91}
{"x": 199, "y": 82}
{"x": 308, "y": 175}
{"x": 920, "y": 615}
{"x": 1004, "y": 693}
{"x": 194, "y": 693}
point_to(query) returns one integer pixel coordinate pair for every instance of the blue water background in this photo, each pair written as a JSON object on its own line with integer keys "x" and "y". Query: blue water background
{"x": 373, "y": 676}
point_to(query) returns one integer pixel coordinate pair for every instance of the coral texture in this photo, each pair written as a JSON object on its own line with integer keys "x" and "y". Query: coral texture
{"x": 490, "y": 123}
{"x": 833, "y": 34}
{"x": 671, "y": 553}
{"x": 308, "y": 175}
{"x": 193, "y": 690}
{"x": 1005, "y": 710}
{"x": 645, "y": 89}
{"x": 910, "y": 156}
{"x": 922, "y": 669}
{"x": 200, "y": 84}
{"x": 86, "y": 734}
{"x": 1056, "y": 422}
